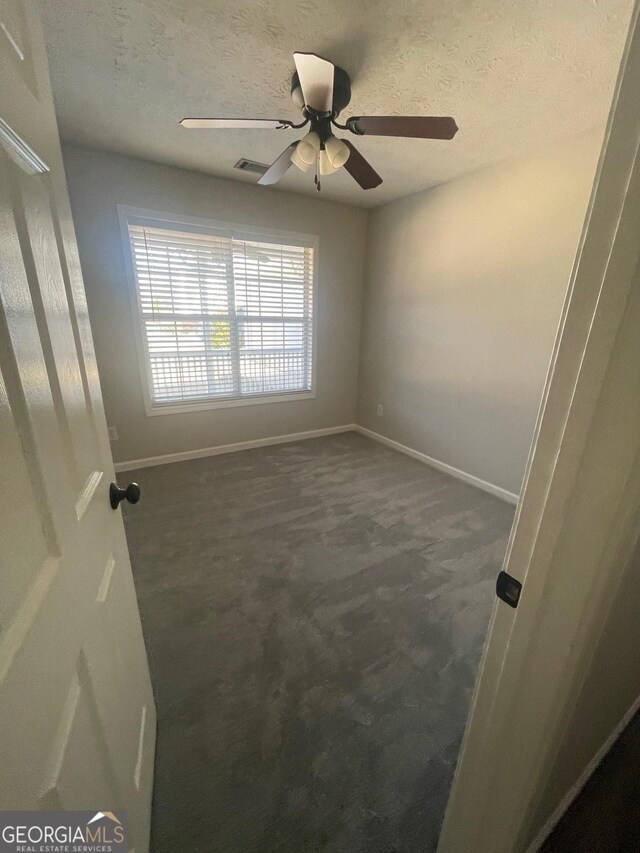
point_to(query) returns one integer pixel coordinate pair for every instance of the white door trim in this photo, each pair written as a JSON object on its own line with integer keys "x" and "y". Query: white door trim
{"x": 537, "y": 656}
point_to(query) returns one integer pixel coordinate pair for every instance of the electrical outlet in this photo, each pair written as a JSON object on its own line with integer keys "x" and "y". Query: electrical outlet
{"x": 380, "y": 410}
{"x": 113, "y": 433}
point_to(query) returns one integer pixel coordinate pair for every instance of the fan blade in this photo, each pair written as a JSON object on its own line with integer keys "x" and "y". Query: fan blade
{"x": 279, "y": 167}
{"x": 316, "y": 81}
{"x": 417, "y": 127}
{"x": 265, "y": 123}
{"x": 360, "y": 169}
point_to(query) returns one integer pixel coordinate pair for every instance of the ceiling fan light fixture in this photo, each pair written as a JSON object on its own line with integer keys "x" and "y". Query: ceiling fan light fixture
{"x": 322, "y": 90}
{"x": 306, "y": 151}
{"x": 337, "y": 152}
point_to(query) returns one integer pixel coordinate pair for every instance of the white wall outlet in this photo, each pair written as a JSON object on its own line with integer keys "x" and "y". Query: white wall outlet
{"x": 380, "y": 410}
{"x": 113, "y": 433}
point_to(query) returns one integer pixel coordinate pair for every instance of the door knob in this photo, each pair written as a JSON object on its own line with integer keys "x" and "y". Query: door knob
{"x": 116, "y": 494}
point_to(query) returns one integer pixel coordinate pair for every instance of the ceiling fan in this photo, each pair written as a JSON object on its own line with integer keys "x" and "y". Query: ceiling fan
{"x": 322, "y": 90}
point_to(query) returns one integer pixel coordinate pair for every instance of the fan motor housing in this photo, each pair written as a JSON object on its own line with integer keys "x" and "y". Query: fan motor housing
{"x": 341, "y": 90}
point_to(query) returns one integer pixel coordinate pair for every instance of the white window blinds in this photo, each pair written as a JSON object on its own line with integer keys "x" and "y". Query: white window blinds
{"x": 222, "y": 317}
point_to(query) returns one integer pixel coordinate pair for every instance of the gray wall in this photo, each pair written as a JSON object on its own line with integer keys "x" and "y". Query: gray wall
{"x": 464, "y": 285}
{"x": 98, "y": 181}
{"x": 464, "y": 289}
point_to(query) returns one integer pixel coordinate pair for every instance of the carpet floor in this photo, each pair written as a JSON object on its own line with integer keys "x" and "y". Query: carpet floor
{"x": 314, "y": 615}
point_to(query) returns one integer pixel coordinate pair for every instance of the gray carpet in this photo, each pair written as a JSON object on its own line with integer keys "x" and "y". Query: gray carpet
{"x": 314, "y": 615}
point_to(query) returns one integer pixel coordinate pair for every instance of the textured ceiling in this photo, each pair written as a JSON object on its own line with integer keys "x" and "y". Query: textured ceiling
{"x": 516, "y": 74}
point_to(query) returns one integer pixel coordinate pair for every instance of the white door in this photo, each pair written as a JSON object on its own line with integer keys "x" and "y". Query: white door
{"x": 77, "y": 718}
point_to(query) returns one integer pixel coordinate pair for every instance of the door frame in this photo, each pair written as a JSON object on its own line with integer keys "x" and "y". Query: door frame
{"x": 537, "y": 656}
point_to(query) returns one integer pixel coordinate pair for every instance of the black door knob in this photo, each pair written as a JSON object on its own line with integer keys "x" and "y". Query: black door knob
{"x": 116, "y": 494}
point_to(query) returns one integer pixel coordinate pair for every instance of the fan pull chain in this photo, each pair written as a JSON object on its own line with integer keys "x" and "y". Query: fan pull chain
{"x": 316, "y": 179}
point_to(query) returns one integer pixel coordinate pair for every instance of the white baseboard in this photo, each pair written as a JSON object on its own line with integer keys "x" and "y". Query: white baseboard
{"x": 498, "y": 491}
{"x": 149, "y": 461}
{"x": 584, "y": 777}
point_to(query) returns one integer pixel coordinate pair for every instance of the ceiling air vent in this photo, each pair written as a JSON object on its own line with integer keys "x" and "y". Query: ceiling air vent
{"x": 251, "y": 166}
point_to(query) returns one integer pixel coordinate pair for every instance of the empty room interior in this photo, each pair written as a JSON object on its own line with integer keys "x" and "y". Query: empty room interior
{"x": 325, "y": 250}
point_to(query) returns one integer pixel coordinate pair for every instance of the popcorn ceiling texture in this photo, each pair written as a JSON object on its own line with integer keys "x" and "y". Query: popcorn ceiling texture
{"x": 516, "y": 74}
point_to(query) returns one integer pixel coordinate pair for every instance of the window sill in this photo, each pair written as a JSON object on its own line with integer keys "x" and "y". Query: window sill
{"x": 230, "y": 402}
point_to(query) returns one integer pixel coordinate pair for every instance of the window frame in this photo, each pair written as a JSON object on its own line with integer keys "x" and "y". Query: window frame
{"x": 159, "y": 219}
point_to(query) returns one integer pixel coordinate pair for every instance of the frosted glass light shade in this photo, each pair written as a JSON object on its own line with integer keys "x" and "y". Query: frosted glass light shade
{"x": 325, "y": 164}
{"x": 306, "y": 151}
{"x": 304, "y": 167}
{"x": 337, "y": 152}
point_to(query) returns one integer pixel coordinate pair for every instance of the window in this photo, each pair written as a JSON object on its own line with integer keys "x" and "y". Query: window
{"x": 225, "y": 318}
